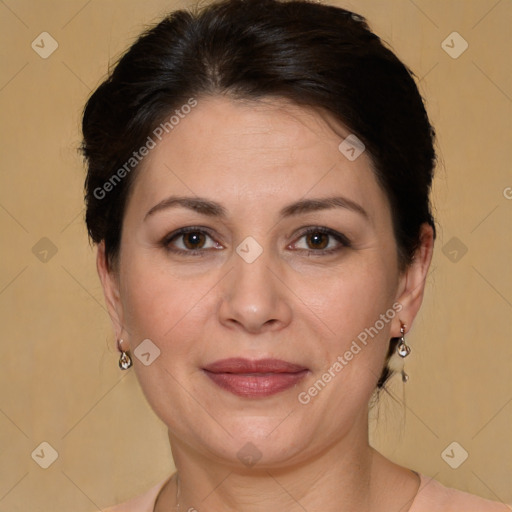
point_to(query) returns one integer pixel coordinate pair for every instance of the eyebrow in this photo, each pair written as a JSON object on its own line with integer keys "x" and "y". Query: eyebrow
{"x": 213, "y": 209}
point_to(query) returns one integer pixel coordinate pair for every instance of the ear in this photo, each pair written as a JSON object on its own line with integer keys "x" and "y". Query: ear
{"x": 110, "y": 284}
{"x": 412, "y": 281}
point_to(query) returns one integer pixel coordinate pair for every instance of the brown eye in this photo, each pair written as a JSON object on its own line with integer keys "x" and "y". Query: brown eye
{"x": 317, "y": 240}
{"x": 193, "y": 240}
{"x": 320, "y": 240}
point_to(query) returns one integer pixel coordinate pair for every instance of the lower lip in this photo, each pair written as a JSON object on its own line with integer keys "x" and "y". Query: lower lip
{"x": 256, "y": 384}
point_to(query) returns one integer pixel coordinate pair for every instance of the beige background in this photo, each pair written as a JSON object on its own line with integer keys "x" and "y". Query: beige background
{"x": 60, "y": 382}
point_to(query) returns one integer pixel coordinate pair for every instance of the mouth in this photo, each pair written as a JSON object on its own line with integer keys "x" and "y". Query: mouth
{"x": 255, "y": 378}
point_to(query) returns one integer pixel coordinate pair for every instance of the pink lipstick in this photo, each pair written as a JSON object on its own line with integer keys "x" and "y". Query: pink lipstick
{"x": 255, "y": 378}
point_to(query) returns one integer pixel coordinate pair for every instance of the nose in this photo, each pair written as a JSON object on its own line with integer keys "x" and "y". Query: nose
{"x": 254, "y": 296}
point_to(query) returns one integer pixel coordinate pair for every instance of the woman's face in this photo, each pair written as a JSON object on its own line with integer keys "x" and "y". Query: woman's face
{"x": 258, "y": 286}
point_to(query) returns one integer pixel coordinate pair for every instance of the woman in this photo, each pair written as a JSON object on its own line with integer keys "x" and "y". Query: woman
{"x": 258, "y": 187}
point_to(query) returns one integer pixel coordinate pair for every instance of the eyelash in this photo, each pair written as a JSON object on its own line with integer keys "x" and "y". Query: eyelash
{"x": 342, "y": 239}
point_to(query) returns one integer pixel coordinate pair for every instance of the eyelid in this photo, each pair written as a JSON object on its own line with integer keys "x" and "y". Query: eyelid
{"x": 166, "y": 241}
{"x": 304, "y": 231}
{"x": 339, "y": 237}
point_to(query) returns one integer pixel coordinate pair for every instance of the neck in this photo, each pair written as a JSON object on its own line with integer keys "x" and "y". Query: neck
{"x": 346, "y": 477}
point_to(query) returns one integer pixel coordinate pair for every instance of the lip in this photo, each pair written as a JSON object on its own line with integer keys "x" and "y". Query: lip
{"x": 255, "y": 378}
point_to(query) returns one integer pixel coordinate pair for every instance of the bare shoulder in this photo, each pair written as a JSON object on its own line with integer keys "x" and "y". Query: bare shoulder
{"x": 433, "y": 495}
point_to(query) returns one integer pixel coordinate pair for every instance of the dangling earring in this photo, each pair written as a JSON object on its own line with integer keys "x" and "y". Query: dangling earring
{"x": 403, "y": 350}
{"x": 125, "y": 361}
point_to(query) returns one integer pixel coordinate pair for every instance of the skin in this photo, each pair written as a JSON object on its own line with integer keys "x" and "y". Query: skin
{"x": 254, "y": 159}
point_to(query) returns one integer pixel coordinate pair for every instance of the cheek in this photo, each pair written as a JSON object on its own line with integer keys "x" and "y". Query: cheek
{"x": 355, "y": 309}
{"x": 157, "y": 302}
{"x": 164, "y": 309}
{"x": 150, "y": 308}
{"x": 352, "y": 353}
{"x": 348, "y": 301}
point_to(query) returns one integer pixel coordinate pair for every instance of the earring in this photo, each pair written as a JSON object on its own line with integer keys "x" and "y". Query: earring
{"x": 403, "y": 350}
{"x": 125, "y": 361}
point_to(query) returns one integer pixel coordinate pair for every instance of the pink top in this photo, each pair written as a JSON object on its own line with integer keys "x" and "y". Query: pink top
{"x": 432, "y": 496}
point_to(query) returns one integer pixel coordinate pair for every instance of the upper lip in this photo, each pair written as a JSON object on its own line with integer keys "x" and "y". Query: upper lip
{"x": 241, "y": 365}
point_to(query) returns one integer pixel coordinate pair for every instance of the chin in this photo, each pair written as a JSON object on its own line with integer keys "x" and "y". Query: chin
{"x": 258, "y": 443}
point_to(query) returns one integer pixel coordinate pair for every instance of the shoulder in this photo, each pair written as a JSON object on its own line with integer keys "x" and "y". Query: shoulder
{"x": 142, "y": 503}
{"x": 432, "y": 495}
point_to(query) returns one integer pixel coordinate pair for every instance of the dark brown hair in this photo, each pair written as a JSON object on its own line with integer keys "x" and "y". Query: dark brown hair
{"x": 312, "y": 54}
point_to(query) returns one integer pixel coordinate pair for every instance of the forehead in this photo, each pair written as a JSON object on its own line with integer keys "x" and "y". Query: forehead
{"x": 270, "y": 152}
